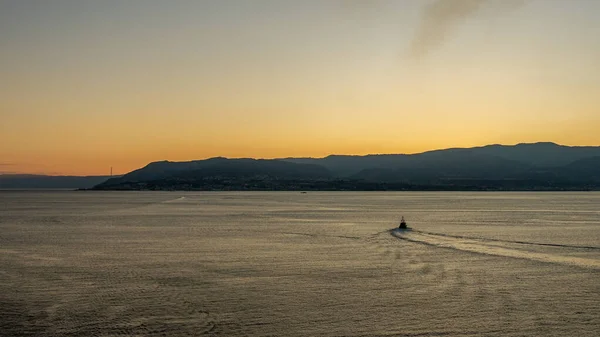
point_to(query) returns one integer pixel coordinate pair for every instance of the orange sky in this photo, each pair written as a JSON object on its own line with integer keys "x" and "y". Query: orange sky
{"x": 90, "y": 85}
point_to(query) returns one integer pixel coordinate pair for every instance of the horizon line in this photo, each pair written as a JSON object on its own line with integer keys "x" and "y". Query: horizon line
{"x": 54, "y": 174}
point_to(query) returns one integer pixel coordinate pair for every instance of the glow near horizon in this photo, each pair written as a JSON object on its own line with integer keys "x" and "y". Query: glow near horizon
{"x": 88, "y": 85}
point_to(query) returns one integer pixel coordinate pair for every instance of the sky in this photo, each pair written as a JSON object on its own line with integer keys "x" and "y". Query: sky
{"x": 87, "y": 85}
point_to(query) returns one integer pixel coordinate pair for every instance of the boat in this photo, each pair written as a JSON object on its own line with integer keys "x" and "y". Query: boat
{"x": 402, "y": 224}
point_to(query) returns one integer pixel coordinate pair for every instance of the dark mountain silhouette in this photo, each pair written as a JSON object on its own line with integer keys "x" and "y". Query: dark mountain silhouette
{"x": 218, "y": 173}
{"x": 26, "y": 181}
{"x": 451, "y": 165}
{"x": 537, "y": 154}
{"x": 540, "y": 166}
{"x": 587, "y": 169}
{"x": 541, "y": 154}
{"x": 248, "y": 168}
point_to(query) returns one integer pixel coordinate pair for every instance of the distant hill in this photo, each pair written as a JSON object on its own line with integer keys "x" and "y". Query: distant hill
{"x": 586, "y": 169}
{"x": 432, "y": 167}
{"x": 536, "y": 155}
{"x": 26, "y": 181}
{"x": 539, "y": 166}
{"x": 218, "y": 173}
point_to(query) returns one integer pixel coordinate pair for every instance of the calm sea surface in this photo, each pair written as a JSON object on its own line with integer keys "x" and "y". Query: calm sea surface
{"x": 299, "y": 264}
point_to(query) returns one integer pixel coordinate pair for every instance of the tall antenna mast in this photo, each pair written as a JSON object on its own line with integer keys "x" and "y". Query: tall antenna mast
{"x": 111, "y": 171}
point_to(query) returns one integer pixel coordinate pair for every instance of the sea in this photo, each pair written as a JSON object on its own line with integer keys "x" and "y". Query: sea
{"x": 86, "y": 263}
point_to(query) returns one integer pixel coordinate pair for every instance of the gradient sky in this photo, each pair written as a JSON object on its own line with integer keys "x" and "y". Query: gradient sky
{"x": 88, "y": 84}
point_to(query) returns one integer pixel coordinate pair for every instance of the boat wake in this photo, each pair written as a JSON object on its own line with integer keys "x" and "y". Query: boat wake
{"x": 505, "y": 248}
{"x": 507, "y": 241}
{"x": 173, "y": 200}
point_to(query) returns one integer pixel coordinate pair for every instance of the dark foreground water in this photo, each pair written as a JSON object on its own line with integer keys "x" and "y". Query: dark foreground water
{"x": 293, "y": 264}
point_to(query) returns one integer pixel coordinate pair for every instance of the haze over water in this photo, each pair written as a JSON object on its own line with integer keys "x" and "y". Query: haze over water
{"x": 293, "y": 264}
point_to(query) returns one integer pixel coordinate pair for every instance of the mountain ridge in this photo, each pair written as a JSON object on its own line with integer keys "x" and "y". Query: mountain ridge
{"x": 544, "y": 165}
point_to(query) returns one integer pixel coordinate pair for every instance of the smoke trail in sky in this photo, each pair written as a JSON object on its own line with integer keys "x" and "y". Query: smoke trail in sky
{"x": 441, "y": 17}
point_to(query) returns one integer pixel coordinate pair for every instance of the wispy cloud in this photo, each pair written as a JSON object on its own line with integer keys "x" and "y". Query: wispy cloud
{"x": 441, "y": 18}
